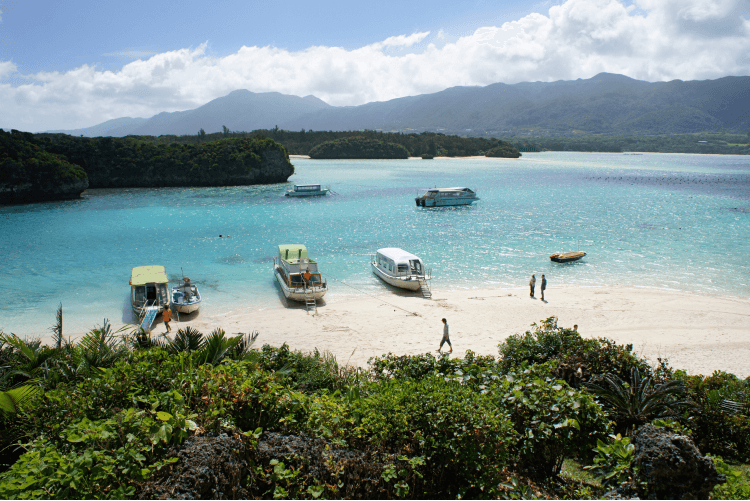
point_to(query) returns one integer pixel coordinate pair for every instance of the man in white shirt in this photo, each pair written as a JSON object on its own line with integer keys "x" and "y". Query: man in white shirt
{"x": 446, "y": 338}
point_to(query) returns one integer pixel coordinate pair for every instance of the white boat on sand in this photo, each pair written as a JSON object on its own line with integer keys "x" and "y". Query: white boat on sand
{"x": 401, "y": 269}
{"x": 445, "y": 197}
{"x": 298, "y": 275}
{"x": 186, "y": 297}
{"x": 307, "y": 190}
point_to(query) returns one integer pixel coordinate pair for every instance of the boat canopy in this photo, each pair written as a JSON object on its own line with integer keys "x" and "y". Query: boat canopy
{"x": 142, "y": 275}
{"x": 397, "y": 255}
{"x": 294, "y": 253}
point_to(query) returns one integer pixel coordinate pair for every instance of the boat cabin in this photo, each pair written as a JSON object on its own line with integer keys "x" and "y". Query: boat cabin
{"x": 399, "y": 263}
{"x": 149, "y": 286}
{"x": 295, "y": 263}
{"x": 306, "y": 187}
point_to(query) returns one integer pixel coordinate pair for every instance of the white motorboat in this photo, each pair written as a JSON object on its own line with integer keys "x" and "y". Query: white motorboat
{"x": 400, "y": 269}
{"x": 307, "y": 190}
{"x": 149, "y": 293}
{"x": 298, "y": 275}
{"x": 444, "y": 197}
{"x": 186, "y": 298}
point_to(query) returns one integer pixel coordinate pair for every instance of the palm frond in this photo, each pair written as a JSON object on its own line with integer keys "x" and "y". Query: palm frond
{"x": 187, "y": 339}
{"x": 15, "y": 399}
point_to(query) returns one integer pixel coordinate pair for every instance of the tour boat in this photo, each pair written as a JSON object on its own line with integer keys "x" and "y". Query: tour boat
{"x": 444, "y": 197}
{"x": 185, "y": 297}
{"x": 401, "y": 269}
{"x": 566, "y": 257}
{"x": 149, "y": 293}
{"x": 298, "y": 275}
{"x": 307, "y": 190}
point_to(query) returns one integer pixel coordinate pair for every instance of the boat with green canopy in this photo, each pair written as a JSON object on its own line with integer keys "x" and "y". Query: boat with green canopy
{"x": 298, "y": 275}
{"x": 149, "y": 291}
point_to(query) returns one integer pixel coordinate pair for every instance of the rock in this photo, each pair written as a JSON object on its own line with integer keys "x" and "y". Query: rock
{"x": 671, "y": 466}
{"x": 209, "y": 467}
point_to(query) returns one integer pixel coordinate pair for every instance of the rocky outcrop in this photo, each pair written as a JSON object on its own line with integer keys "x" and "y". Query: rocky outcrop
{"x": 209, "y": 467}
{"x": 670, "y": 466}
{"x": 27, "y": 192}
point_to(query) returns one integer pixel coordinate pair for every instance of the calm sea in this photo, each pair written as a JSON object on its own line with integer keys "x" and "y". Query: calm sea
{"x": 654, "y": 220}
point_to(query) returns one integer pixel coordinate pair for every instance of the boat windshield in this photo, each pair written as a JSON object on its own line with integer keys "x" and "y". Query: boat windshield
{"x": 416, "y": 267}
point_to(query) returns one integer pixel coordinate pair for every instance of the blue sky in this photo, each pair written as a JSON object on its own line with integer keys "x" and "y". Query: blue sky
{"x": 58, "y": 36}
{"x": 73, "y": 64}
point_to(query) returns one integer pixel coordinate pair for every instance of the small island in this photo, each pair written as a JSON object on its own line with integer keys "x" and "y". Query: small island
{"x": 354, "y": 148}
{"x": 45, "y": 167}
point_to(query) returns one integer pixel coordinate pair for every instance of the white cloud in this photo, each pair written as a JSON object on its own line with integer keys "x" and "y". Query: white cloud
{"x": 650, "y": 40}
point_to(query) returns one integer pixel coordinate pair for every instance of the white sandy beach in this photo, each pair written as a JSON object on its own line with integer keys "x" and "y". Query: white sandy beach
{"x": 698, "y": 333}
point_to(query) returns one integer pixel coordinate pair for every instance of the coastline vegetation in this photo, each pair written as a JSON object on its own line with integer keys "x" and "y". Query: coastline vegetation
{"x": 724, "y": 143}
{"x": 38, "y": 167}
{"x": 416, "y": 144}
{"x": 358, "y": 148}
{"x": 117, "y": 414}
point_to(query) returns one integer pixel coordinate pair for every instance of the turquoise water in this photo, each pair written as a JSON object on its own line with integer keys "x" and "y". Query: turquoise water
{"x": 653, "y": 220}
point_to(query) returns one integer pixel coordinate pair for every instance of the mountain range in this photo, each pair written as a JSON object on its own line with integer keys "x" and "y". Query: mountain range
{"x": 606, "y": 104}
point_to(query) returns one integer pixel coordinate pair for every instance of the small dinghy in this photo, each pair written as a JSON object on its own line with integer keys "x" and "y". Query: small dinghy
{"x": 185, "y": 297}
{"x": 567, "y": 257}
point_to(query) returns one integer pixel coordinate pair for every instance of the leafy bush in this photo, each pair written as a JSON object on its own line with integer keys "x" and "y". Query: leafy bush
{"x": 553, "y": 420}
{"x": 307, "y": 372}
{"x": 578, "y": 359}
{"x": 737, "y": 485}
{"x": 613, "y": 463}
{"x": 638, "y": 401}
{"x": 714, "y": 428}
{"x": 417, "y": 367}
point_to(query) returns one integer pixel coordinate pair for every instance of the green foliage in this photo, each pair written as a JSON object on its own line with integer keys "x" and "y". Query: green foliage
{"x": 29, "y": 173}
{"x": 706, "y": 142}
{"x": 737, "y": 485}
{"x": 504, "y": 150}
{"x": 417, "y": 367}
{"x": 638, "y": 401}
{"x": 308, "y": 372}
{"x": 577, "y": 359}
{"x": 553, "y": 421}
{"x": 358, "y": 147}
{"x": 137, "y": 162}
{"x": 714, "y": 428}
{"x": 96, "y": 459}
{"x": 613, "y": 463}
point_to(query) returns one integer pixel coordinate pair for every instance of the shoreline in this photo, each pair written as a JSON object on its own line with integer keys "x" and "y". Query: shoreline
{"x": 699, "y": 333}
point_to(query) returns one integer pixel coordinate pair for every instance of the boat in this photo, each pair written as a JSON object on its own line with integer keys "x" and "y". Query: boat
{"x": 401, "y": 269}
{"x": 443, "y": 197}
{"x": 149, "y": 293}
{"x": 186, "y": 298}
{"x": 298, "y": 275}
{"x": 567, "y": 257}
{"x": 307, "y": 190}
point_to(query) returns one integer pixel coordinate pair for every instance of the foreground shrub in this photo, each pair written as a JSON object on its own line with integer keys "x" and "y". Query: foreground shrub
{"x": 577, "y": 359}
{"x": 715, "y": 428}
{"x": 418, "y": 367}
{"x": 638, "y": 401}
{"x": 553, "y": 420}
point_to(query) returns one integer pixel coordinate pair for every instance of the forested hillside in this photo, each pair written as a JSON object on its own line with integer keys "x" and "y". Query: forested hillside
{"x": 301, "y": 143}
{"x": 57, "y": 166}
{"x": 28, "y": 173}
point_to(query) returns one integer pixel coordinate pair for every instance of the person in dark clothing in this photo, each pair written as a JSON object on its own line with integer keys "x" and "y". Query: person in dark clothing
{"x": 532, "y": 283}
{"x": 544, "y": 286}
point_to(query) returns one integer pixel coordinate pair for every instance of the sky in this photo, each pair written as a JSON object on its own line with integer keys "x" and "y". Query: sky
{"x": 74, "y": 64}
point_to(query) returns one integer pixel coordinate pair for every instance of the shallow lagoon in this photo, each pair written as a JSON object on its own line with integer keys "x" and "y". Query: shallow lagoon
{"x": 653, "y": 220}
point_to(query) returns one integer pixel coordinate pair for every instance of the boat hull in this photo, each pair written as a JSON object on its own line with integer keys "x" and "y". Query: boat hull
{"x": 412, "y": 284}
{"x": 567, "y": 257}
{"x": 186, "y": 307}
{"x": 296, "y": 293}
{"x": 306, "y": 194}
{"x": 421, "y": 202}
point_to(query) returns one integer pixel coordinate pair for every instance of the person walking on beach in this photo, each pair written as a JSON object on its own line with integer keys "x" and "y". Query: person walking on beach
{"x": 446, "y": 338}
{"x": 544, "y": 286}
{"x": 532, "y": 283}
{"x": 167, "y": 316}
